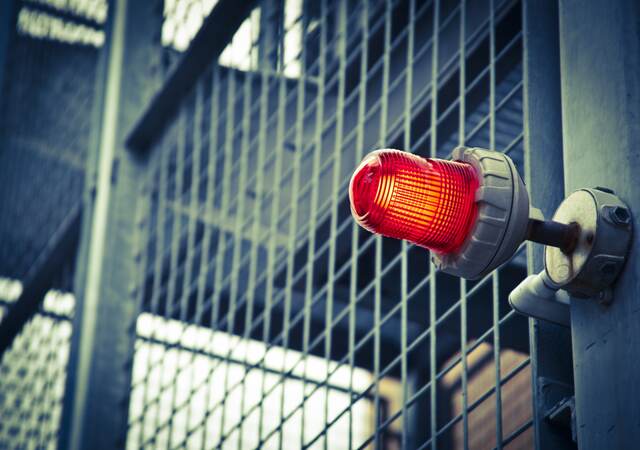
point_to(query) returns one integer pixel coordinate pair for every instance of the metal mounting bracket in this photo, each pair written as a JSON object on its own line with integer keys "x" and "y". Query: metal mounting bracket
{"x": 587, "y": 268}
{"x": 604, "y": 236}
{"x": 563, "y": 415}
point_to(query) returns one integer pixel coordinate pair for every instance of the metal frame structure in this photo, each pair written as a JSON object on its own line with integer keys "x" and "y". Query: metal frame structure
{"x": 7, "y": 14}
{"x": 40, "y": 278}
{"x": 44, "y": 130}
{"x": 225, "y": 298}
{"x": 599, "y": 55}
{"x": 181, "y": 150}
{"x": 102, "y": 338}
{"x": 552, "y": 374}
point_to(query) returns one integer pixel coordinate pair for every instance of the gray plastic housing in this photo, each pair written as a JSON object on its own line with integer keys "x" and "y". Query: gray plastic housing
{"x": 503, "y": 215}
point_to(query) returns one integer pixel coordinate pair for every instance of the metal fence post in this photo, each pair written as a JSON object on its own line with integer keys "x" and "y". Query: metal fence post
{"x": 99, "y": 370}
{"x": 7, "y": 28}
{"x": 550, "y": 344}
{"x": 600, "y": 72}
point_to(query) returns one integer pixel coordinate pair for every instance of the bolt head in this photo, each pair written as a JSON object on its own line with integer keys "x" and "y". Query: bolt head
{"x": 605, "y": 297}
{"x": 620, "y": 215}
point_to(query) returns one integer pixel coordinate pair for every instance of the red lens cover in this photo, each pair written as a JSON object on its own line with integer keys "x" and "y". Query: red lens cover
{"x": 430, "y": 202}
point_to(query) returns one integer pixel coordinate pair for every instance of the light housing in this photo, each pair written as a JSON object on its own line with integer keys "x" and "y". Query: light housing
{"x": 472, "y": 212}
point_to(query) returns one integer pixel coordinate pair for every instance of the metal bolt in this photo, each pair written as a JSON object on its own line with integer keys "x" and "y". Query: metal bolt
{"x": 620, "y": 215}
{"x": 605, "y": 297}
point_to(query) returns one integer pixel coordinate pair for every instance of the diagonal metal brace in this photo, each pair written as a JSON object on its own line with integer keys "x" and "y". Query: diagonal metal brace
{"x": 61, "y": 247}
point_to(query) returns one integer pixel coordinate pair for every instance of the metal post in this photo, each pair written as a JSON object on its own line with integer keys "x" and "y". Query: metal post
{"x": 600, "y": 73}
{"x": 99, "y": 370}
{"x": 7, "y": 30}
{"x": 550, "y": 344}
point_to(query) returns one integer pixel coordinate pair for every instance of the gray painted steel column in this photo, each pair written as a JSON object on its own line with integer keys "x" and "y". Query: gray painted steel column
{"x": 8, "y": 17}
{"x": 600, "y": 68}
{"x": 550, "y": 344}
{"x": 99, "y": 370}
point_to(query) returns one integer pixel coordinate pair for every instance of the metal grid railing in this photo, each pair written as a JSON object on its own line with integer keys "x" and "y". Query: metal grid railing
{"x": 47, "y": 70}
{"x": 267, "y": 317}
{"x": 33, "y": 370}
{"x": 48, "y": 65}
{"x": 45, "y": 122}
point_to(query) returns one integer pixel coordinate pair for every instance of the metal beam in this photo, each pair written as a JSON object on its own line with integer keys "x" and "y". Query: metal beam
{"x": 550, "y": 345}
{"x": 95, "y": 410}
{"x": 217, "y": 30}
{"x": 8, "y": 17}
{"x": 67, "y": 15}
{"x": 600, "y": 72}
{"x": 60, "y": 249}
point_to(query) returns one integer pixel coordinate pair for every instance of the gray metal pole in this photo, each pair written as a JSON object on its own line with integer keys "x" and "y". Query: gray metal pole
{"x": 550, "y": 344}
{"x": 600, "y": 72}
{"x": 99, "y": 369}
{"x": 7, "y": 30}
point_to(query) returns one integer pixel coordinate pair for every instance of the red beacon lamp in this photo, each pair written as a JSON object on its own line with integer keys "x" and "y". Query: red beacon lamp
{"x": 473, "y": 213}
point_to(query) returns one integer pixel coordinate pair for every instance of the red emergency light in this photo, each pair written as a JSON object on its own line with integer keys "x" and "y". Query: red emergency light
{"x": 471, "y": 212}
{"x": 430, "y": 202}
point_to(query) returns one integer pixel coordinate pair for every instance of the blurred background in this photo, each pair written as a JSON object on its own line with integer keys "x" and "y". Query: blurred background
{"x": 178, "y": 263}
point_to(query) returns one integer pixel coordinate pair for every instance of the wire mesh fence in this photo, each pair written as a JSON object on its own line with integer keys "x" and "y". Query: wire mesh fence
{"x": 33, "y": 370}
{"x": 267, "y": 318}
{"x": 47, "y": 69}
{"x": 45, "y": 123}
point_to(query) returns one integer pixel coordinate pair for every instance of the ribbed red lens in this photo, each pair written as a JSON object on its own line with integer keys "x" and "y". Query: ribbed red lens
{"x": 430, "y": 202}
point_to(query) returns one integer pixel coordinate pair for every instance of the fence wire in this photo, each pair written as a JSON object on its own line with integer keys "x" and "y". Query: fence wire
{"x": 267, "y": 317}
{"x": 46, "y": 97}
{"x": 45, "y": 122}
{"x": 33, "y": 370}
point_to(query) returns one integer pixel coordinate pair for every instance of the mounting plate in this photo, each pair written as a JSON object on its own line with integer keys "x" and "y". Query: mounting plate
{"x": 600, "y": 252}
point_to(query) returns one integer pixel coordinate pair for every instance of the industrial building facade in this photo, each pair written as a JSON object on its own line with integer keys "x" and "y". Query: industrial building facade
{"x": 179, "y": 267}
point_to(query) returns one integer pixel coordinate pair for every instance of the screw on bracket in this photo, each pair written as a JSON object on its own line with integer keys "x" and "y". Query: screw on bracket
{"x": 563, "y": 415}
{"x": 605, "y": 297}
{"x": 620, "y": 215}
